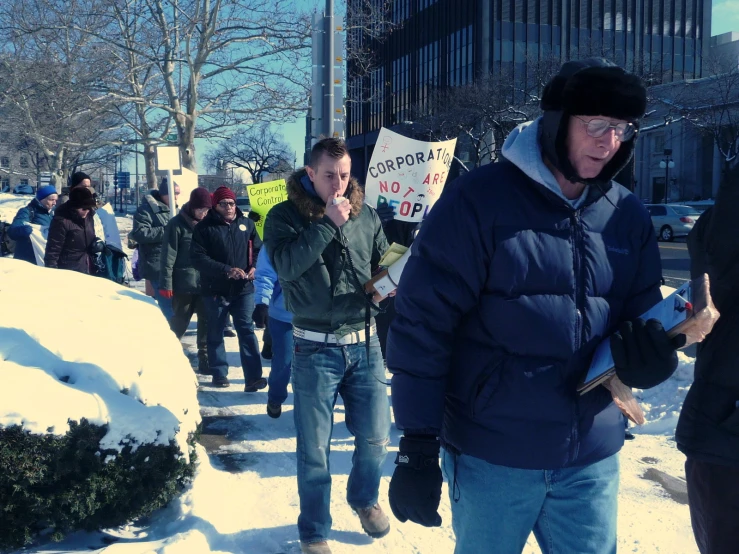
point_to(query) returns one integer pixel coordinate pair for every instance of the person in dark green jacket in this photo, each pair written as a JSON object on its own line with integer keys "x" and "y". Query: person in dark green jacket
{"x": 324, "y": 242}
{"x": 178, "y": 279}
{"x": 149, "y": 222}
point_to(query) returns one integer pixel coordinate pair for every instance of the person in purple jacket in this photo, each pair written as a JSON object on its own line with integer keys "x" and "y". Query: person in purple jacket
{"x": 521, "y": 269}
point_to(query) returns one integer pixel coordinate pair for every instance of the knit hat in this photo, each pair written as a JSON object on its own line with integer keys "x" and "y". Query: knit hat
{"x": 593, "y": 86}
{"x": 77, "y": 178}
{"x": 45, "y": 191}
{"x": 164, "y": 187}
{"x": 200, "y": 198}
{"x": 221, "y": 193}
{"x": 81, "y": 197}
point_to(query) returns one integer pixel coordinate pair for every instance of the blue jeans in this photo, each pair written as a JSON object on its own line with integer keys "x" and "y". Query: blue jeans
{"x": 570, "y": 510}
{"x": 321, "y": 372}
{"x": 282, "y": 356}
{"x": 165, "y": 304}
{"x": 241, "y": 308}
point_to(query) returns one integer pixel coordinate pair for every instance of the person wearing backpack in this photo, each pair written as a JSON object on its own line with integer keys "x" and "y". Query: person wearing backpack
{"x": 39, "y": 211}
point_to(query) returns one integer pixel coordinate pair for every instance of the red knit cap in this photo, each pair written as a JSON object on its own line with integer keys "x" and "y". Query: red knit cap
{"x": 200, "y": 198}
{"x": 222, "y": 193}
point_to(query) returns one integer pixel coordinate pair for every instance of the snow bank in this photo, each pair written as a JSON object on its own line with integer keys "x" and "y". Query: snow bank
{"x": 663, "y": 403}
{"x": 11, "y": 203}
{"x": 74, "y": 346}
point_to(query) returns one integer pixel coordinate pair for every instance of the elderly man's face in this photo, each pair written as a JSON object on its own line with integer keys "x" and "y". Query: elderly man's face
{"x": 165, "y": 197}
{"x": 50, "y": 201}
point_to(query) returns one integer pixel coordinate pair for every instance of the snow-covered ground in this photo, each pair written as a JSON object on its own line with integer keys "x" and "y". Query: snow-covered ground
{"x": 244, "y": 497}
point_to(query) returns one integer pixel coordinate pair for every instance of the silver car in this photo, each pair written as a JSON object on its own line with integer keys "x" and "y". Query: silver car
{"x": 672, "y": 220}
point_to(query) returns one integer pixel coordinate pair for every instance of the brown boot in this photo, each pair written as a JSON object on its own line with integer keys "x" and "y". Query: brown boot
{"x": 374, "y": 521}
{"x": 314, "y": 547}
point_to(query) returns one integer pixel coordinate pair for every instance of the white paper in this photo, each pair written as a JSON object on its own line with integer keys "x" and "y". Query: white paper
{"x": 670, "y": 312}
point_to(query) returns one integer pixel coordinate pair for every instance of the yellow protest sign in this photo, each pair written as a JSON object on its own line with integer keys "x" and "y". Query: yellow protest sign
{"x": 263, "y": 196}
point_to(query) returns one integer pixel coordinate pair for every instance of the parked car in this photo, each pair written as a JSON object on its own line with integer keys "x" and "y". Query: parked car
{"x": 242, "y": 202}
{"x": 23, "y": 189}
{"x": 672, "y": 220}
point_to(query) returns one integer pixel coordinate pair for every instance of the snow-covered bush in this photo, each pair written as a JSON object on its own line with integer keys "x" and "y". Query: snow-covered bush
{"x": 98, "y": 404}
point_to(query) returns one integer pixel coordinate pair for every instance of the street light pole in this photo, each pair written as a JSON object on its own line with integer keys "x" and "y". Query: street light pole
{"x": 667, "y": 164}
{"x": 328, "y": 70}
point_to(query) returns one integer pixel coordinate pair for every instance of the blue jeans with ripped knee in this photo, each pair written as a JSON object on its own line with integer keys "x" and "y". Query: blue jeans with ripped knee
{"x": 320, "y": 372}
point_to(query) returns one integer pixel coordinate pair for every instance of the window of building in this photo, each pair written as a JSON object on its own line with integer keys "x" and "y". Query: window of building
{"x": 659, "y": 143}
{"x": 24, "y": 182}
{"x": 5, "y": 183}
{"x": 24, "y": 162}
{"x": 5, "y": 162}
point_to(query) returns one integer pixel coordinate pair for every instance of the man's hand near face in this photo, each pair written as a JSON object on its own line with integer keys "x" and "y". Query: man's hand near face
{"x": 338, "y": 213}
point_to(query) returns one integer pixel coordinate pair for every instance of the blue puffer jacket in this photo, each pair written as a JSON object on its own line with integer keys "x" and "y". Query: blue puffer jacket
{"x": 509, "y": 290}
{"x": 34, "y": 213}
{"x": 268, "y": 290}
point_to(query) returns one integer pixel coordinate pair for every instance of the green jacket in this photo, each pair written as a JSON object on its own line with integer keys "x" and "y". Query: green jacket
{"x": 149, "y": 222}
{"x": 312, "y": 264}
{"x": 177, "y": 272}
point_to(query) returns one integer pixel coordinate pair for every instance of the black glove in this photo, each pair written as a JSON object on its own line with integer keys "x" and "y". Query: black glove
{"x": 261, "y": 311}
{"x": 415, "y": 488}
{"x": 97, "y": 247}
{"x": 386, "y": 213}
{"x": 254, "y": 216}
{"x": 644, "y": 355}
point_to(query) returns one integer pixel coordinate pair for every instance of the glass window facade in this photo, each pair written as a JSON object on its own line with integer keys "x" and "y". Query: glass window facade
{"x": 445, "y": 43}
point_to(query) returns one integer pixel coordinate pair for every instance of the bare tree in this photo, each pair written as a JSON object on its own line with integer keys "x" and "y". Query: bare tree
{"x": 49, "y": 73}
{"x": 139, "y": 76}
{"x": 481, "y": 114}
{"x": 222, "y": 64}
{"x": 711, "y": 105}
{"x": 257, "y": 149}
{"x": 368, "y": 25}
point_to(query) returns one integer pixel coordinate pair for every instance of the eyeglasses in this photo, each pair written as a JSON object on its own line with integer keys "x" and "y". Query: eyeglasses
{"x": 596, "y": 128}
{"x": 227, "y": 204}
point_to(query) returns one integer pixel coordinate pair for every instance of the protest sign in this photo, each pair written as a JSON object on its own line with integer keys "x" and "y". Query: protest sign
{"x": 408, "y": 174}
{"x": 263, "y": 196}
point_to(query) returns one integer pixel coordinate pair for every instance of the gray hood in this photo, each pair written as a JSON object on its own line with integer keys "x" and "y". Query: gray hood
{"x": 522, "y": 149}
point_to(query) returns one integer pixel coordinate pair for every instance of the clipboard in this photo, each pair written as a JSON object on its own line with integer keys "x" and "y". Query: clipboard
{"x": 689, "y": 310}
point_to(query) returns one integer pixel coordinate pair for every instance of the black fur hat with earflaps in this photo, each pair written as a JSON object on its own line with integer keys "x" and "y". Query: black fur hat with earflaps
{"x": 593, "y": 86}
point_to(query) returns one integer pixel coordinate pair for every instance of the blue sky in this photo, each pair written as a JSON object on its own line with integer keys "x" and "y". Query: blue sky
{"x": 725, "y": 16}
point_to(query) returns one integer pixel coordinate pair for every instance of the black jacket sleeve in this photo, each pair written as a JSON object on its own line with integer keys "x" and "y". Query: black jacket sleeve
{"x": 55, "y": 242}
{"x": 721, "y": 245}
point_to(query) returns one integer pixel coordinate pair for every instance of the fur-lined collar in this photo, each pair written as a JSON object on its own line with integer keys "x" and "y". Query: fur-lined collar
{"x": 313, "y": 208}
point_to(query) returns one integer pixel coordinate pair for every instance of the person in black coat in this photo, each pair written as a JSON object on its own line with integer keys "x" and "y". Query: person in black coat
{"x": 71, "y": 242}
{"x": 224, "y": 250}
{"x": 708, "y": 428}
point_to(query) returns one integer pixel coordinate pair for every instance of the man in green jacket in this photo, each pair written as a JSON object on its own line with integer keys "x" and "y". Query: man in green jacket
{"x": 149, "y": 222}
{"x": 324, "y": 243}
{"x": 179, "y": 280}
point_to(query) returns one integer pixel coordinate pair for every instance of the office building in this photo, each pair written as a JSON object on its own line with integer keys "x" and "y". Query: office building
{"x": 447, "y": 43}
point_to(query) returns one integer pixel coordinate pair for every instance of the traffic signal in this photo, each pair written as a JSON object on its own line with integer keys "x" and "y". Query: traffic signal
{"x": 124, "y": 179}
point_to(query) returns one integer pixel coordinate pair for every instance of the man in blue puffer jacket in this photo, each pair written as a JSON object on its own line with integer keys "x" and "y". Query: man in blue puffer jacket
{"x": 270, "y": 310}
{"x": 519, "y": 271}
{"x": 40, "y": 211}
